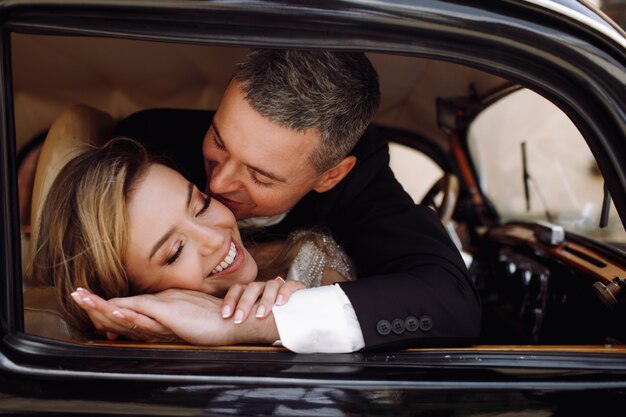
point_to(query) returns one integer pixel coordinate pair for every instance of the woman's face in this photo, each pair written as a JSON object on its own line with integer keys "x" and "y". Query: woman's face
{"x": 179, "y": 238}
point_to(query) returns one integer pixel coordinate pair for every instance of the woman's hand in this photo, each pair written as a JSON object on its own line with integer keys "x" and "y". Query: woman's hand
{"x": 195, "y": 317}
{"x": 172, "y": 315}
{"x": 113, "y": 320}
{"x": 241, "y": 298}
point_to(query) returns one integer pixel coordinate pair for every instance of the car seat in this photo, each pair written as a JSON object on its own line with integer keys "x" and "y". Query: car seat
{"x": 76, "y": 128}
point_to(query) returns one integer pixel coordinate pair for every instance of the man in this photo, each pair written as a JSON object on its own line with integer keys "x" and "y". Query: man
{"x": 289, "y": 147}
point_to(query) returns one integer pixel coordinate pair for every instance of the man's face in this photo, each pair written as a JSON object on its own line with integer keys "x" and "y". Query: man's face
{"x": 256, "y": 167}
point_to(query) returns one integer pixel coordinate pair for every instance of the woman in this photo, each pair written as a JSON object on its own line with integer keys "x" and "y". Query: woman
{"x": 117, "y": 222}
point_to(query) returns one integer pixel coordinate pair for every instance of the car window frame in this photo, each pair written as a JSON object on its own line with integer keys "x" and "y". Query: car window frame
{"x": 77, "y": 19}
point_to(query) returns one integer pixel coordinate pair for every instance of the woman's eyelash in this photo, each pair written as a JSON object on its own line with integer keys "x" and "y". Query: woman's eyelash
{"x": 207, "y": 202}
{"x": 175, "y": 256}
{"x": 179, "y": 251}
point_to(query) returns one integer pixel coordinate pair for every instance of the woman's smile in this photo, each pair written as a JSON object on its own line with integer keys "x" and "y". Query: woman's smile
{"x": 194, "y": 238}
{"x": 230, "y": 262}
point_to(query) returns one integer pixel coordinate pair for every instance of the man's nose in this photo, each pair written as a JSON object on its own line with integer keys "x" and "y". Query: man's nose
{"x": 224, "y": 178}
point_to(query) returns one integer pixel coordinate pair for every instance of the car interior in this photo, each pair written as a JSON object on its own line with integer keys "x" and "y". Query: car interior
{"x": 540, "y": 285}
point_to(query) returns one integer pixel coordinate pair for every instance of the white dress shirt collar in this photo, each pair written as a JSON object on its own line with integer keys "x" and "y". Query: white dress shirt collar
{"x": 261, "y": 221}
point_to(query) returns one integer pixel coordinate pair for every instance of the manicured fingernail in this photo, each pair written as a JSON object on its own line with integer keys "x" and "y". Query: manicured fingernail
{"x": 226, "y": 312}
{"x": 279, "y": 299}
{"x": 238, "y": 316}
{"x": 89, "y": 302}
{"x": 118, "y": 314}
{"x": 260, "y": 312}
{"x": 76, "y": 298}
{"x": 80, "y": 289}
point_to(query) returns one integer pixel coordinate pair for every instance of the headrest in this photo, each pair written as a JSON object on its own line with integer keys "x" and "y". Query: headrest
{"x": 74, "y": 130}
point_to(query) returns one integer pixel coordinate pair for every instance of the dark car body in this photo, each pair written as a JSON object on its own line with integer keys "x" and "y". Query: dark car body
{"x": 562, "y": 50}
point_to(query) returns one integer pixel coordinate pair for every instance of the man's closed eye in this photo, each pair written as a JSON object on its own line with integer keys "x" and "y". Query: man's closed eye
{"x": 257, "y": 181}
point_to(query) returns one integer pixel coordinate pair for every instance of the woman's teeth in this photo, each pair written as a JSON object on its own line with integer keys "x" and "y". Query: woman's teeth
{"x": 228, "y": 260}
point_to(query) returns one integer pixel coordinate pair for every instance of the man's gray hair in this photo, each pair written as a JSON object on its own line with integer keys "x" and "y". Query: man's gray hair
{"x": 336, "y": 93}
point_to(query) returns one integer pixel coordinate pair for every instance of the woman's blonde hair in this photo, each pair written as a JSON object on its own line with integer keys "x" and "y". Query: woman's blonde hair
{"x": 81, "y": 231}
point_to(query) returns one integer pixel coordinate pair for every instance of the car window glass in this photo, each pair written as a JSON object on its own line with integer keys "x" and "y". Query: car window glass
{"x": 564, "y": 183}
{"x": 413, "y": 169}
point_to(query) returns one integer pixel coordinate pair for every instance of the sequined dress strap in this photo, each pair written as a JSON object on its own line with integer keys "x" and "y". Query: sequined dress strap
{"x": 318, "y": 251}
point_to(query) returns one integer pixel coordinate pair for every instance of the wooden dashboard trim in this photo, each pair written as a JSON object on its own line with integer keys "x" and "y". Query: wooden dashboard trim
{"x": 578, "y": 256}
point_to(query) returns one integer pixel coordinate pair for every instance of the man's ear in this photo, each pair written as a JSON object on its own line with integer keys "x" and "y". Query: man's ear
{"x": 335, "y": 174}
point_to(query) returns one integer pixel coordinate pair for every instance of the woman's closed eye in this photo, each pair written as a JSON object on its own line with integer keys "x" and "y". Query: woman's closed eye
{"x": 171, "y": 259}
{"x": 205, "y": 205}
{"x": 206, "y": 202}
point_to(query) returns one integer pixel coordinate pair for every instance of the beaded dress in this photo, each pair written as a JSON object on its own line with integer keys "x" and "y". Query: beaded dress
{"x": 318, "y": 251}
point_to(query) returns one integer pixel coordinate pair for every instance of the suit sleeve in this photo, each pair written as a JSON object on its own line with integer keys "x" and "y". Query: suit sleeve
{"x": 413, "y": 288}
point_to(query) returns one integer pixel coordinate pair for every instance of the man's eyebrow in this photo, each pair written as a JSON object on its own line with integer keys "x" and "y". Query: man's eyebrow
{"x": 169, "y": 233}
{"x": 261, "y": 171}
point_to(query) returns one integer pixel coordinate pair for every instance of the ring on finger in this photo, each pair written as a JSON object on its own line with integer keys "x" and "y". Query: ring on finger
{"x": 132, "y": 327}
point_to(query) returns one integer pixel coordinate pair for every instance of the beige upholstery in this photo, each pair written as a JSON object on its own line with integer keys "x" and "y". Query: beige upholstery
{"x": 51, "y": 72}
{"x": 75, "y": 129}
{"x": 42, "y": 316}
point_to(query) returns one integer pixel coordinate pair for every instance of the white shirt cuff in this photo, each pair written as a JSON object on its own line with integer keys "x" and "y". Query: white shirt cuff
{"x": 319, "y": 320}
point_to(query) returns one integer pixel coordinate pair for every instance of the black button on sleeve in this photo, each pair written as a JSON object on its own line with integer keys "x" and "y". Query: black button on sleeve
{"x": 383, "y": 327}
{"x": 397, "y": 326}
{"x": 411, "y": 323}
{"x": 426, "y": 323}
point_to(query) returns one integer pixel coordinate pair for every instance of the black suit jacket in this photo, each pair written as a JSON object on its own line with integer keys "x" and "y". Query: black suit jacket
{"x": 412, "y": 289}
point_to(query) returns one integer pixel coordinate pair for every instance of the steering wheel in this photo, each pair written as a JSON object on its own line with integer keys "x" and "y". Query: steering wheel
{"x": 443, "y": 197}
